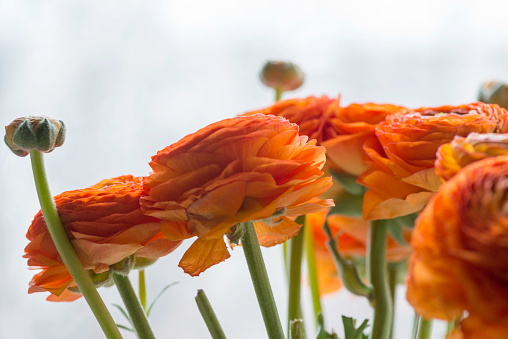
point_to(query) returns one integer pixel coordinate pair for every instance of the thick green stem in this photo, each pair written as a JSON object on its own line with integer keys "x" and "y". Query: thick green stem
{"x": 131, "y": 302}
{"x": 378, "y": 276}
{"x": 347, "y": 269}
{"x": 66, "y": 251}
{"x": 261, "y": 283}
{"x": 424, "y": 329}
{"x": 393, "y": 277}
{"x": 209, "y": 316}
{"x": 142, "y": 289}
{"x": 313, "y": 274}
{"x": 278, "y": 94}
{"x": 295, "y": 273}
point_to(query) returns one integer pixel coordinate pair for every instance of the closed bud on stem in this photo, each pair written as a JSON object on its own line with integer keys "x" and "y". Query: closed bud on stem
{"x": 34, "y": 133}
{"x": 125, "y": 266}
{"x": 282, "y": 75}
{"x": 494, "y": 92}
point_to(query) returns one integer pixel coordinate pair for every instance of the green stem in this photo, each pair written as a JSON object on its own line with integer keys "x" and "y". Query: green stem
{"x": 142, "y": 289}
{"x": 416, "y": 323}
{"x": 278, "y": 94}
{"x": 261, "y": 283}
{"x": 424, "y": 328}
{"x": 378, "y": 276}
{"x": 347, "y": 269}
{"x": 66, "y": 251}
{"x": 451, "y": 325}
{"x": 136, "y": 313}
{"x": 295, "y": 274}
{"x": 393, "y": 277}
{"x": 313, "y": 274}
{"x": 209, "y": 316}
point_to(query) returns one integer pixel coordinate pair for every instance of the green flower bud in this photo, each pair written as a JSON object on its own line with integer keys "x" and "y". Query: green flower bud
{"x": 34, "y": 133}
{"x": 282, "y": 75}
{"x": 125, "y": 266}
{"x": 494, "y": 92}
{"x": 142, "y": 262}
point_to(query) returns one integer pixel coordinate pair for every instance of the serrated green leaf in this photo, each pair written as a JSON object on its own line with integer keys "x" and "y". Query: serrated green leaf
{"x": 349, "y": 183}
{"x": 158, "y": 296}
{"x": 350, "y": 330}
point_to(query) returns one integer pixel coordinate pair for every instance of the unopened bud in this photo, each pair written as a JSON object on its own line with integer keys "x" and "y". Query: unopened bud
{"x": 34, "y": 133}
{"x": 282, "y": 75}
{"x": 124, "y": 267}
{"x": 494, "y": 92}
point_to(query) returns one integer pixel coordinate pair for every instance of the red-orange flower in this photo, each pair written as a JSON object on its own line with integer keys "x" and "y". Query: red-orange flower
{"x": 454, "y": 156}
{"x": 352, "y": 236}
{"x": 460, "y": 245}
{"x": 105, "y": 225}
{"x": 248, "y": 168}
{"x": 403, "y": 155}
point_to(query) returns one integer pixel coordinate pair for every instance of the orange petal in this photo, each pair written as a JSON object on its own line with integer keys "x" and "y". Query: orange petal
{"x": 274, "y": 235}
{"x": 202, "y": 254}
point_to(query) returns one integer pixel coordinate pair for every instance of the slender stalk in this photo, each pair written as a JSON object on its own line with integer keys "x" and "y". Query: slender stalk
{"x": 313, "y": 274}
{"x": 209, "y": 316}
{"x": 278, "y": 94}
{"x": 66, "y": 251}
{"x": 378, "y": 276}
{"x": 142, "y": 289}
{"x": 131, "y": 302}
{"x": 261, "y": 283}
{"x": 285, "y": 255}
{"x": 424, "y": 329}
{"x": 393, "y": 276}
{"x": 416, "y": 324}
{"x": 295, "y": 274}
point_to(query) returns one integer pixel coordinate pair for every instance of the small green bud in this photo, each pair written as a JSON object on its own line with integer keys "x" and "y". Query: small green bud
{"x": 34, "y": 133}
{"x": 494, "y": 92}
{"x": 236, "y": 233}
{"x": 125, "y": 266}
{"x": 142, "y": 262}
{"x": 297, "y": 329}
{"x": 282, "y": 75}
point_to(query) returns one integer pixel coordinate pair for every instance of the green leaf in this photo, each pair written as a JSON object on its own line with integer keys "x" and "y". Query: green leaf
{"x": 124, "y": 313}
{"x": 124, "y": 327}
{"x": 322, "y": 333}
{"x": 407, "y": 220}
{"x": 349, "y": 183}
{"x": 158, "y": 296}
{"x": 396, "y": 230}
{"x": 350, "y": 330}
{"x": 348, "y": 204}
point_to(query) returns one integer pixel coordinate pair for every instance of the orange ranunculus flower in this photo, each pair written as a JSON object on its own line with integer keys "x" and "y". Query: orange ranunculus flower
{"x": 249, "y": 168}
{"x": 353, "y": 125}
{"x": 105, "y": 225}
{"x": 460, "y": 248}
{"x": 452, "y": 157}
{"x": 403, "y": 178}
{"x": 352, "y": 235}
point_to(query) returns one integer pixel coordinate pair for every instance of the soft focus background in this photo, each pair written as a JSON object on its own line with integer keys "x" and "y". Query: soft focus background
{"x": 131, "y": 77}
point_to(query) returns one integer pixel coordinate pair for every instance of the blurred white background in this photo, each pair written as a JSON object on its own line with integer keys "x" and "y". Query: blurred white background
{"x": 131, "y": 77}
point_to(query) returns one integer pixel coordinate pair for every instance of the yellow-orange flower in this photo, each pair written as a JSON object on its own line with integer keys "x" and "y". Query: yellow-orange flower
{"x": 460, "y": 249}
{"x": 105, "y": 225}
{"x": 403, "y": 178}
{"x": 352, "y": 236}
{"x": 454, "y": 156}
{"x": 248, "y": 168}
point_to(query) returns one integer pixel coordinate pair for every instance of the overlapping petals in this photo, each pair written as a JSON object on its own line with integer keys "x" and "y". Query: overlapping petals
{"x": 352, "y": 235}
{"x": 105, "y": 225}
{"x": 403, "y": 178}
{"x": 249, "y": 168}
{"x": 460, "y": 256}
{"x": 454, "y": 156}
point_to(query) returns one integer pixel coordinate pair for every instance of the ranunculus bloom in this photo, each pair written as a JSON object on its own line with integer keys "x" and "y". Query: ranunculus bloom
{"x": 460, "y": 249}
{"x": 352, "y": 235}
{"x": 248, "y": 168}
{"x": 454, "y": 156}
{"x": 105, "y": 225}
{"x": 403, "y": 178}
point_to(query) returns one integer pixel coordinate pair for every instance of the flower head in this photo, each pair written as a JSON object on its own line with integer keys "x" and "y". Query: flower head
{"x": 454, "y": 156}
{"x": 249, "y": 168}
{"x": 494, "y": 92}
{"x": 460, "y": 248}
{"x": 352, "y": 235}
{"x": 403, "y": 177}
{"x": 105, "y": 225}
{"x": 282, "y": 75}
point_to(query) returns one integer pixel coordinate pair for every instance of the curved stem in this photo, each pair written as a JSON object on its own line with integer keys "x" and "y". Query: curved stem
{"x": 261, "y": 283}
{"x": 278, "y": 94}
{"x": 66, "y": 251}
{"x": 142, "y": 289}
{"x": 295, "y": 274}
{"x": 313, "y": 274}
{"x": 209, "y": 316}
{"x": 378, "y": 276}
{"x": 131, "y": 302}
